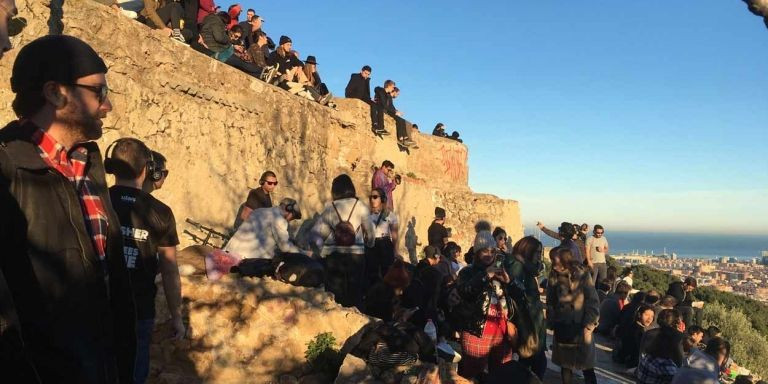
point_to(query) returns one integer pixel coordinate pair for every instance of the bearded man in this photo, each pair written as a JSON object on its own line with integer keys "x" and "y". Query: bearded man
{"x": 62, "y": 246}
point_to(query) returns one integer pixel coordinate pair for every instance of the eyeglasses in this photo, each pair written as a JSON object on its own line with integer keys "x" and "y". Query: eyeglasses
{"x": 101, "y": 91}
{"x": 374, "y": 197}
{"x": 271, "y": 182}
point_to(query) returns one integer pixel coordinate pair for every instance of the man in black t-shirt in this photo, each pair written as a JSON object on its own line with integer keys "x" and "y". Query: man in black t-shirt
{"x": 437, "y": 234}
{"x": 150, "y": 239}
{"x": 260, "y": 197}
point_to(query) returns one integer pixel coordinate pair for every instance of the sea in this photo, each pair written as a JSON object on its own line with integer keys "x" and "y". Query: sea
{"x": 684, "y": 245}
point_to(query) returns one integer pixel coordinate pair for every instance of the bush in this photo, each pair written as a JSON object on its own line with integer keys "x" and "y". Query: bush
{"x": 322, "y": 354}
{"x": 748, "y": 347}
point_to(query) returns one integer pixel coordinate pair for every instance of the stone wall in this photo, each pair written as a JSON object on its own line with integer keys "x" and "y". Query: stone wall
{"x": 220, "y": 129}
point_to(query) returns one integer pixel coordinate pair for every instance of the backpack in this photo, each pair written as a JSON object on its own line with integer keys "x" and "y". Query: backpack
{"x": 344, "y": 233}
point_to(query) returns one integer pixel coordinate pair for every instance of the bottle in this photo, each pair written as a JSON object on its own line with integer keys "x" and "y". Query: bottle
{"x": 431, "y": 330}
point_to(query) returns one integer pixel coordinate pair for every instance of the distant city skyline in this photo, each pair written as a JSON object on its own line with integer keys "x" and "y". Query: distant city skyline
{"x": 638, "y": 115}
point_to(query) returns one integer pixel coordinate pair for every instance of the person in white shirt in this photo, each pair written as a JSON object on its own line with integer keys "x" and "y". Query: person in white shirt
{"x": 341, "y": 234}
{"x": 265, "y": 232}
{"x": 597, "y": 248}
{"x": 379, "y": 258}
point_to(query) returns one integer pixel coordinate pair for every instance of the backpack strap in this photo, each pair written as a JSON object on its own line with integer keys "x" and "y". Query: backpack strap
{"x": 352, "y": 211}
{"x": 337, "y": 211}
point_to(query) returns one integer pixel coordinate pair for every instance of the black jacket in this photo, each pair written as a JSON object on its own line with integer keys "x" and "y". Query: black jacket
{"x": 214, "y": 33}
{"x": 358, "y": 88}
{"x": 677, "y": 290}
{"x": 75, "y": 327}
{"x": 474, "y": 288}
{"x": 384, "y": 100}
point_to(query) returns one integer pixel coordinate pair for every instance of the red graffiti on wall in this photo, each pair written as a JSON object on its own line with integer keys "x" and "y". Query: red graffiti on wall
{"x": 454, "y": 162}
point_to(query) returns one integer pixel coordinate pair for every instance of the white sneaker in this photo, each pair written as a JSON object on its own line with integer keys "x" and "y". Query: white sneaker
{"x": 446, "y": 352}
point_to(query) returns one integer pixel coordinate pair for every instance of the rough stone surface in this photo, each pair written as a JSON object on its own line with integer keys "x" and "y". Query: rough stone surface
{"x": 247, "y": 331}
{"x": 220, "y": 129}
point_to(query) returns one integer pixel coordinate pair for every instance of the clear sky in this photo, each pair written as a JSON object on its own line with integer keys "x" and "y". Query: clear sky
{"x": 641, "y": 115}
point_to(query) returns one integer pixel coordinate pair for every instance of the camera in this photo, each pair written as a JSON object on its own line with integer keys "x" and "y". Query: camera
{"x": 398, "y": 178}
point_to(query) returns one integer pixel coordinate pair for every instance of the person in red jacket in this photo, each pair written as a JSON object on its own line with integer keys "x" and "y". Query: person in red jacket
{"x": 206, "y": 7}
{"x": 234, "y": 11}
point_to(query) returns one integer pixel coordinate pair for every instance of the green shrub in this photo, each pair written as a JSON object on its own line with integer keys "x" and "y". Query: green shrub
{"x": 322, "y": 354}
{"x": 748, "y": 347}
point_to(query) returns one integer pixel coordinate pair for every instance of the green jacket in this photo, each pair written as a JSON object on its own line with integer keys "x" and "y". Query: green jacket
{"x": 525, "y": 276}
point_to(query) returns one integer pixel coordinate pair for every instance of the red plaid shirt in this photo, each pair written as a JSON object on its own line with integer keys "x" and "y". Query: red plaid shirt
{"x": 72, "y": 165}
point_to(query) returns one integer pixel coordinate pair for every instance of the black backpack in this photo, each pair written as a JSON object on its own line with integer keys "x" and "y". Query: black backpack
{"x": 344, "y": 233}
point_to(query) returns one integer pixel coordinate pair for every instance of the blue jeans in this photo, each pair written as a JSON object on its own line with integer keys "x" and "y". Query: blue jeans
{"x": 143, "y": 340}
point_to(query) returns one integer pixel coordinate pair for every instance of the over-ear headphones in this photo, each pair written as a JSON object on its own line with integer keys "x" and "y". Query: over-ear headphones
{"x": 110, "y": 164}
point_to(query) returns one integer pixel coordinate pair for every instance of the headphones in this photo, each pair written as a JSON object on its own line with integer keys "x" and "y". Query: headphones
{"x": 110, "y": 164}
{"x": 263, "y": 178}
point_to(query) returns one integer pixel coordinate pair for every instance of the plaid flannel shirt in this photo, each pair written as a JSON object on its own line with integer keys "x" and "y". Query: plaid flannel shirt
{"x": 72, "y": 165}
{"x": 652, "y": 370}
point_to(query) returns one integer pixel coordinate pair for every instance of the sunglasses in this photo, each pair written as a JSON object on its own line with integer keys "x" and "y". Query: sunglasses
{"x": 270, "y": 182}
{"x": 374, "y": 197}
{"x": 101, "y": 91}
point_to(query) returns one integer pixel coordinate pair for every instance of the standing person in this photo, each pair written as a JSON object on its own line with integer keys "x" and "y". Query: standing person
{"x": 150, "y": 240}
{"x": 486, "y": 331}
{"x": 524, "y": 266}
{"x": 682, "y": 291}
{"x": 573, "y": 313}
{"x": 385, "y": 179}
{"x": 265, "y": 232}
{"x": 437, "y": 234}
{"x": 359, "y": 86}
{"x": 567, "y": 235}
{"x": 597, "y": 248}
{"x": 260, "y": 197}
{"x": 379, "y": 258}
{"x": 63, "y": 262}
{"x": 439, "y": 130}
{"x": 341, "y": 233}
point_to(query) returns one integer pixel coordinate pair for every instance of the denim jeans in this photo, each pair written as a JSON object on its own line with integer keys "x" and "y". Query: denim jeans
{"x": 143, "y": 340}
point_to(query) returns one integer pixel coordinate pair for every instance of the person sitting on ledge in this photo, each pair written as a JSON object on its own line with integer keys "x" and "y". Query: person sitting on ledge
{"x": 403, "y": 135}
{"x": 265, "y": 232}
{"x": 218, "y": 43}
{"x": 359, "y": 86}
{"x": 455, "y": 136}
{"x": 158, "y": 13}
{"x": 383, "y": 104}
{"x": 292, "y": 77}
{"x": 439, "y": 130}
{"x": 313, "y": 76}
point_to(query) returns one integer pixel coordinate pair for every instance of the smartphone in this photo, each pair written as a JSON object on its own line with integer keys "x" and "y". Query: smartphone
{"x": 498, "y": 260}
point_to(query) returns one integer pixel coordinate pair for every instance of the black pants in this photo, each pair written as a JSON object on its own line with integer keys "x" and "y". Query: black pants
{"x": 377, "y": 117}
{"x": 537, "y": 363}
{"x": 691, "y": 316}
{"x": 378, "y": 260}
{"x": 190, "y": 17}
{"x": 589, "y": 376}
{"x": 345, "y": 278}
{"x": 246, "y": 67}
{"x": 172, "y": 12}
{"x": 401, "y": 127}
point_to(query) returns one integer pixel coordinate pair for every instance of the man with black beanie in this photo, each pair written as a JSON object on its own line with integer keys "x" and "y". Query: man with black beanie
{"x": 62, "y": 246}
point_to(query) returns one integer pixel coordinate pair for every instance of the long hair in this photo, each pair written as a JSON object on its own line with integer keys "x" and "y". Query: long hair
{"x": 309, "y": 70}
{"x": 526, "y": 247}
{"x": 564, "y": 258}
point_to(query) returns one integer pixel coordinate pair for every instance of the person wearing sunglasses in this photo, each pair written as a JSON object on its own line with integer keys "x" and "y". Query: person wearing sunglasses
{"x": 62, "y": 243}
{"x": 260, "y": 197}
{"x": 379, "y": 258}
{"x": 597, "y": 249}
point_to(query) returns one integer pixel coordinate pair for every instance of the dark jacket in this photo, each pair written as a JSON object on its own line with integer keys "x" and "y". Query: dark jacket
{"x": 525, "y": 275}
{"x": 284, "y": 63}
{"x": 677, "y": 290}
{"x": 610, "y": 313}
{"x": 475, "y": 289}
{"x": 76, "y": 327}
{"x": 214, "y": 33}
{"x": 384, "y": 100}
{"x": 358, "y": 88}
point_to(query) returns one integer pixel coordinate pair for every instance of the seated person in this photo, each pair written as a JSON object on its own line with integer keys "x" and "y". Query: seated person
{"x": 610, "y": 309}
{"x": 265, "y": 232}
{"x": 313, "y": 77}
{"x": 696, "y": 333}
{"x": 292, "y": 77}
{"x": 218, "y": 41}
{"x": 629, "y": 353}
{"x": 439, "y": 130}
{"x": 158, "y": 13}
{"x": 359, "y": 85}
{"x": 256, "y": 50}
{"x": 455, "y": 136}
{"x": 401, "y": 125}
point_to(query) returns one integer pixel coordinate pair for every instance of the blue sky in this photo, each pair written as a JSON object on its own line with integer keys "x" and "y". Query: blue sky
{"x": 647, "y": 115}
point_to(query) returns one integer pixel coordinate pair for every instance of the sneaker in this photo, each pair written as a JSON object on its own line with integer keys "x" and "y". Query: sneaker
{"x": 446, "y": 352}
{"x": 403, "y": 143}
{"x": 176, "y": 35}
{"x": 326, "y": 99}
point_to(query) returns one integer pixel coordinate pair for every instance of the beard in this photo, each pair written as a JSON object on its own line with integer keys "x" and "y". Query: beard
{"x": 83, "y": 125}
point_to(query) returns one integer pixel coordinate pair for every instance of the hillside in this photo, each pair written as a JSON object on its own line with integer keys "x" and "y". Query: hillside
{"x": 220, "y": 129}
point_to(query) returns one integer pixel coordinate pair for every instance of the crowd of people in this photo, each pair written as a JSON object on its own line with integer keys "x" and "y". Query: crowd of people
{"x": 77, "y": 275}
{"x": 245, "y": 45}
